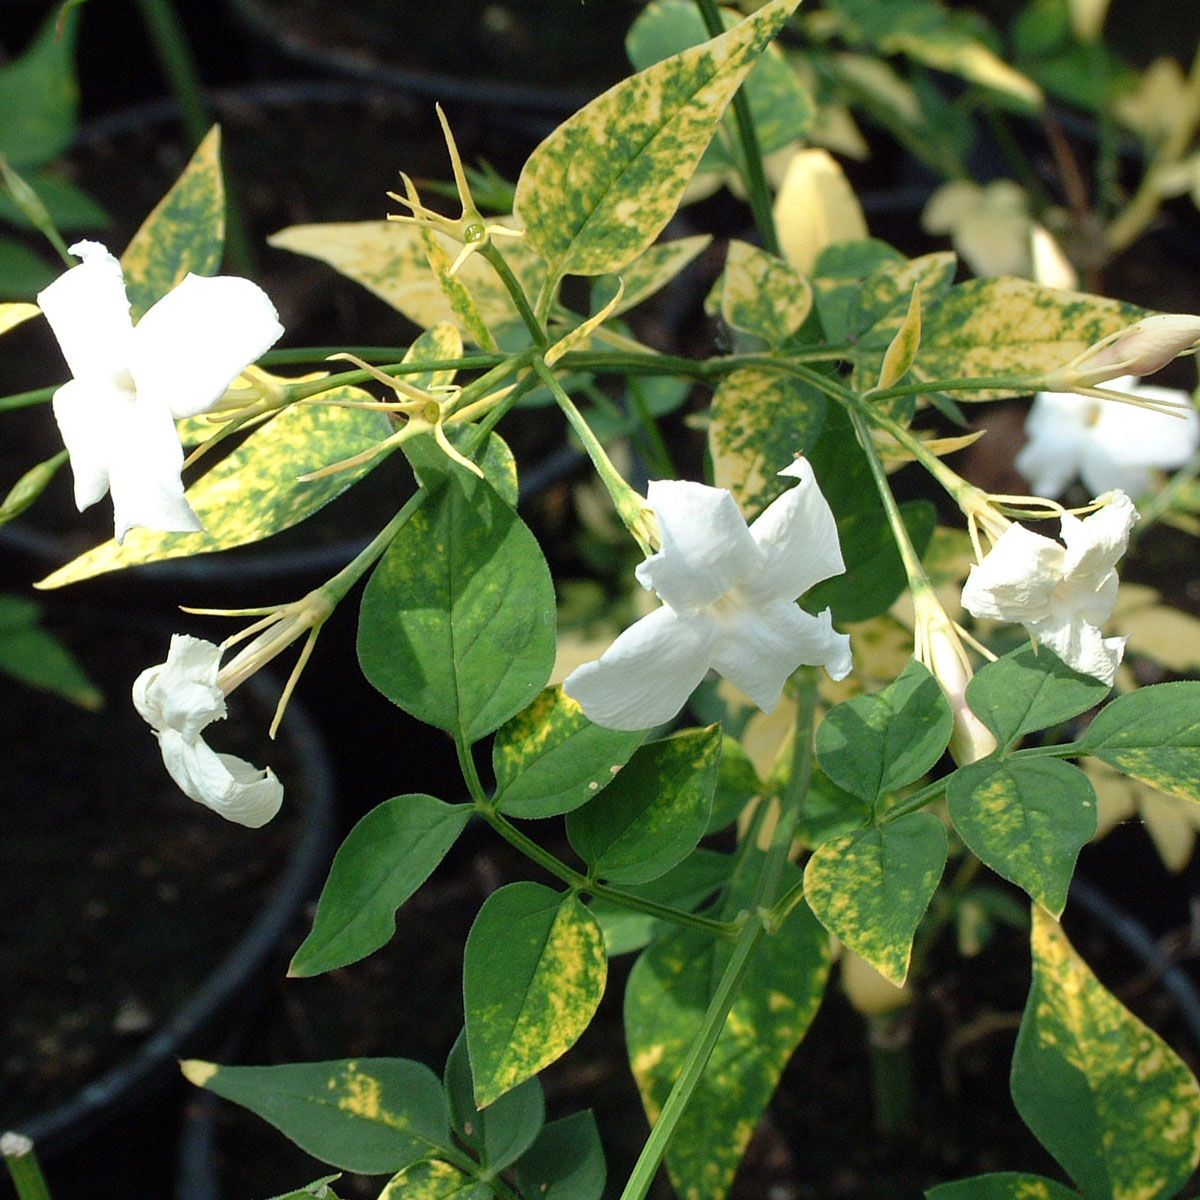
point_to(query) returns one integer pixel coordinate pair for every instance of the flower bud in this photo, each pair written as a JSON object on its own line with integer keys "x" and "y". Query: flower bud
{"x": 867, "y": 990}
{"x": 1143, "y": 348}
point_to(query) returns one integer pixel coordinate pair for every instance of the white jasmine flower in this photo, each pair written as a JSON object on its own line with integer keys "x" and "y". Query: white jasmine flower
{"x": 1109, "y": 446}
{"x": 1061, "y": 593}
{"x": 132, "y": 382}
{"x": 728, "y": 595}
{"x": 180, "y": 698}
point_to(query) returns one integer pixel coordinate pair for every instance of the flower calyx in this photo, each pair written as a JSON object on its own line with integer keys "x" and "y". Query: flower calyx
{"x": 1140, "y": 349}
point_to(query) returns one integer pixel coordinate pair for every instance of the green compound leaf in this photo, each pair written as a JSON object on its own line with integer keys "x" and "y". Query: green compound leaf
{"x": 871, "y": 887}
{"x": 760, "y": 294}
{"x": 434, "y": 1180}
{"x": 185, "y": 232}
{"x": 874, "y": 744}
{"x": 651, "y": 271}
{"x": 502, "y": 1132}
{"x": 1153, "y": 734}
{"x": 566, "y": 1162}
{"x": 1104, "y": 1094}
{"x": 1026, "y": 819}
{"x": 533, "y": 976}
{"x": 1011, "y": 327}
{"x": 1004, "y": 1185}
{"x": 384, "y": 859}
{"x": 781, "y": 110}
{"x": 655, "y": 811}
{"x": 457, "y": 621}
{"x": 1029, "y": 690}
{"x": 603, "y": 185}
{"x": 371, "y": 1115}
{"x": 668, "y": 991}
{"x": 760, "y": 420}
{"x": 39, "y": 97}
{"x": 255, "y": 491}
{"x": 550, "y": 758}
{"x": 389, "y": 259}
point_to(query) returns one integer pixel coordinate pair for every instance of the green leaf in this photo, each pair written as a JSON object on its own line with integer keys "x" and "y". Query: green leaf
{"x": 185, "y": 232}
{"x": 39, "y": 97}
{"x": 1026, "y": 819}
{"x": 503, "y": 1131}
{"x": 1029, "y": 690}
{"x": 602, "y": 186}
{"x": 1011, "y": 327}
{"x": 1102, "y": 1092}
{"x": 1004, "y": 1185}
{"x": 33, "y": 656}
{"x": 668, "y": 991}
{"x": 871, "y": 887}
{"x": 761, "y": 419}
{"x": 566, "y": 1162}
{"x": 875, "y": 575}
{"x": 655, "y": 811}
{"x": 254, "y": 491}
{"x": 457, "y": 621}
{"x": 761, "y": 294}
{"x": 370, "y": 1115}
{"x": 533, "y": 975}
{"x": 829, "y": 811}
{"x": 384, "y": 859}
{"x": 684, "y": 887}
{"x": 68, "y": 206}
{"x": 872, "y": 745}
{"x": 434, "y": 1181}
{"x": 1153, "y": 734}
{"x": 550, "y": 758}
{"x": 319, "y": 1189}
{"x": 737, "y": 784}
{"x": 22, "y": 272}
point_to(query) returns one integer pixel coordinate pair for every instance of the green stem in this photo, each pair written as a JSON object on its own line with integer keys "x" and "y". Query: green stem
{"x": 889, "y": 1039}
{"x": 1161, "y": 502}
{"x": 468, "y": 1166}
{"x": 1059, "y": 750}
{"x": 467, "y": 362}
{"x": 28, "y": 399}
{"x": 354, "y": 570}
{"x": 752, "y": 163}
{"x": 23, "y": 1166}
{"x": 657, "y": 452}
{"x": 917, "y": 801}
{"x": 698, "y": 1055}
{"x": 517, "y": 292}
{"x": 175, "y": 57}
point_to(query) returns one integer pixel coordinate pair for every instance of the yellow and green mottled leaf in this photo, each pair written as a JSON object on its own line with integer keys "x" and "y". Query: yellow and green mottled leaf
{"x": 761, "y": 294}
{"x": 598, "y": 191}
{"x": 1011, "y": 327}
{"x": 456, "y": 292}
{"x": 185, "y": 232}
{"x": 255, "y": 491}
{"x": 1153, "y": 734}
{"x": 760, "y": 421}
{"x": 371, "y": 1115}
{"x": 902, "y": 352}
{"x": 871, "y": 887}
{"x": 533, "y": 976}
{"x": 1103, "y": 1093}
{"x": 550, "y": 758}
{"x": 388, "y": 257}
{"x": 434, "y": 1180}
{"x": 656, "y": 268}
{"x": 665, "y": 1000}
{"x": 1027, "y": 819}
{"x": 1003, "y": 1185}
{"x": 13, "y": 314}
{"x": 816, "y": 207}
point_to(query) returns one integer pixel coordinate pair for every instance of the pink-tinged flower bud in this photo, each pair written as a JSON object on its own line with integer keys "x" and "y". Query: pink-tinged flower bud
{"x": 1143, "y": 348}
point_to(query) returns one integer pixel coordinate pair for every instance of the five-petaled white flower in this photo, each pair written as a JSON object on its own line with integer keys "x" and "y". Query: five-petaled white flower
{"x": 132, "y": 382}
{"x": 1108, "y": 445}
{"x": 179, "y": 698}
{"x": 728, "y": 595}
{"x": 1062, "y": 594}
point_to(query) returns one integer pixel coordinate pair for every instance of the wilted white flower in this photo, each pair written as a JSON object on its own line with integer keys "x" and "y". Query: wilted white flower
{"x": 728, "y": 595}
{"x": 132, "y": 382}
{"x": 1061, "y": 593}
{"x": 1107, "y": 445}
{"x": 180, "y": 698}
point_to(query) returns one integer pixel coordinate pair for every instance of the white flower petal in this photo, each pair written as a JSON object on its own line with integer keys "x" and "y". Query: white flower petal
{"x": 89, "y": 312}
{"x": 706, "y": 547}
{"x": 1080, "y": 644}
{"x": 1017, "y": 578}
{"x": 1104, "y": 469}
{"x": 235, "y": 789}
{"x": 760, "y": 647}
{"x": 798, "y": 534}
{"x": 143, "y": 472}
{"x": 1058, "y": 432}
{"x": 1095, "y": 544}
{"x": 198, "y": 338}
{"x": 88, "y": 412}
{"x": 645, "y": 677}
{"x": 182, "y": 694}
{"x": 1142, "y": 435}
